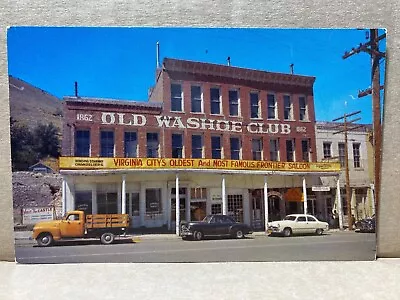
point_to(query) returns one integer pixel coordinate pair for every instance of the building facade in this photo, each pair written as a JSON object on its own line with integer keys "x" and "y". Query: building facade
{"x": 210, "y": 139}
{"x": 331, "y": 147}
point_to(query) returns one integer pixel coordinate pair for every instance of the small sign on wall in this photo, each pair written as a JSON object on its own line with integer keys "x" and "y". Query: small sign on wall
{"x": 33, "y": 215}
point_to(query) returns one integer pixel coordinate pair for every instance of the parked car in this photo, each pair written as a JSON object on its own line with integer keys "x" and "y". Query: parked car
{"x": 214, "y": 225}
{"x": 297, "y": 224}
{"x": 366, "y": 225}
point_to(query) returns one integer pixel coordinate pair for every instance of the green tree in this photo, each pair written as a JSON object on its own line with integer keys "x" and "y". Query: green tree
{"x": 23, "y": 154}
{"x": 46, "y": 141}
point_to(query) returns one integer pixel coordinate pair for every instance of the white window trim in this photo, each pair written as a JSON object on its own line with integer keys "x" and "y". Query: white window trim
{"x": 239, "y": 115}
{"x": 182, "y": 97}
{"x": 291, "y": 116}
{"x": 275, "y": 108}
{"x": 259, "y": 113}
{"x": 220, "y": 101}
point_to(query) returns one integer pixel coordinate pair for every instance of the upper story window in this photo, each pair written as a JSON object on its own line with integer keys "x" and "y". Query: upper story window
{"x": 254, "y": 105}
{"x": 235, "y": 148}
{"x": 290, "y": 150}
{"x": 356, "y": 155}
{"x": 130, "y": 142}
{"x": 271, "y": 106}
{"x": 341, "y": 154}
{"x": 176, "y": 97}
{"x": 107, "y": 143}
{"x": 215, "y": 99}
{"x": 197, "y": 146}
{"x": 216, "y": 147}
{"x": 274, "y": 150}
{"x": 234, "y": 103}
{"x": 257, "y": 149}
{"x": 327, "y": 149}
{"x": 196, "y": 99}
{"x": 177, "y": 145}
{"x": 152, "y": 144}
{"x": 303, "y": 108}
{"x": 305, "y": 150}
{"x": 288, "y": 108}
{"x": 82, "y": 143}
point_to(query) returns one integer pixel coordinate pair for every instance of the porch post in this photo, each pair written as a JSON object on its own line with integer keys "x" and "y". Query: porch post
{"x": 304, "y": 195}
{"x": 187, "y": 204}
{"x": 177, "y": 208}
{"x": 265, "y": 202}
{"x": 339, "y": 204}
{"x": 64, "y": 197}
{"x": 224, "y": 200}
{"x": 123, "y": 196}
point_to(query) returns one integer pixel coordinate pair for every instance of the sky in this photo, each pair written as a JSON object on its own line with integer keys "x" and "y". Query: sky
{"x": 120, "y": 62}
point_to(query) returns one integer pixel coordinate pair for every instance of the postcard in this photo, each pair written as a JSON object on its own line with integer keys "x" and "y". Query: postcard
{"x": 195, "y": 144}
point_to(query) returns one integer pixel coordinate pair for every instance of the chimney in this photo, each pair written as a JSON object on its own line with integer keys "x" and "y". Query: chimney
{"x": 291, "y": 69}
{"x": 229, "y": 60}
{"x": 158, "y": 54}
{"x": 76, "y": 89}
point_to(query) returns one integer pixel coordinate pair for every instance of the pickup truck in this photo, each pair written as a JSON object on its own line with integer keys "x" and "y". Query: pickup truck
{"x": 214, "y": 225}
{"x": 78, "y": 225}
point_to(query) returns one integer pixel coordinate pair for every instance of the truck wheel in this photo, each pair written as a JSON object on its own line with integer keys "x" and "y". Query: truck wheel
{"x": 107, "y": 238}
{"x": 45, "y": 239}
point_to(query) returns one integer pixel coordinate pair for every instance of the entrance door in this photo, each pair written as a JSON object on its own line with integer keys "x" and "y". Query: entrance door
{"x": 182, "y": 205}
{"x": 132, "y": 209}
{"x": 257, "y": 210}
{"x": 154, "y": 210}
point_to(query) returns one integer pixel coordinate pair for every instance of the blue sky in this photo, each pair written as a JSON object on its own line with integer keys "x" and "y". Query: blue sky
{"x": 120, "y": 62}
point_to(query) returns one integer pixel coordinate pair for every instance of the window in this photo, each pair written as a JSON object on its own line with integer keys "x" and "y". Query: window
{"x": 289, "y": 150}
{"x": 83, "y": 201}
{"x": 311, "y": 219}
{"x": 235, "y": 207}
{"x": 82, "y": 143}
{"x": 153, "y": 202}
{"x": 215, "y": 101}
{"x": 271, "y": 106}
{"x": 177, "y": 145}
{"x": 107, "y": 143}
{"x": 73, "y": 217}
{"x": 152, "y": 145}
{"x": 176, "y": 97}
{"x": 235, "y": 148}
{"x": 107, "y": 203}
{"x": 216, "y": 147}
{"x": 234, "y": 103}
{"x": 341, "y": 154}
{"x": 287, "y": 110}
{"x": 301, "y": 219}
{"x": 274, "y": 150}
{"x": 356, "y": 155}
{"x": 305, "y": 150}
{"x": 134, "y": 199}
{"x": 254, "y": 105}
{"x": 216, "y": 209}
{"x": 257, "y": 149}
{"x": 197, "y": 146}
{"x": 130, "y": 142}
{"x": 198, "y": 194}
{"x": 196, "y": 97}
{"x": 303, "y": 108}
{"x": 327, "y": 149}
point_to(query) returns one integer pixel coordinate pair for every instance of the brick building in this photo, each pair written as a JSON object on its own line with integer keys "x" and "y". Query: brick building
{"x": 224, "y": 137}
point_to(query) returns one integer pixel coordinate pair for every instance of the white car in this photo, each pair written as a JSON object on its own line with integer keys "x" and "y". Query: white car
{"x": 297, "y": 224}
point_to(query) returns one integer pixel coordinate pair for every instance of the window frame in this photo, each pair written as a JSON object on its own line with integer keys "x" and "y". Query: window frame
{"x": 305, "y": 155}
{"x": 212, "y": 100}
{"x": 125, "y": 144}
{"x": 239, "y": 151}
{"x": 257, "y": 104}
{"x": 357, "y": 163}
{"x": 218, "y": 150}
{"x": 148, "y": 148}
{"x": 274, "y": 107}
{"x": 342, "y": 158}
{"x": 202, "y": 145}
{"x": 276, "y": 140}
{"x": 104, "y": 143}
{"x": 197, "y": 99}
{"x": 293, "y": 152}
{"x": 79, "y": 153}
{"x": 172, "y": 97}
{"x": 305, "y": 117}
{"x": 255, "y": 152}
{"x": 325, "y": 150}
{"x": 288, "y": 108}
{"x": 231, "y": 103}
{"x": 174, "y": 147}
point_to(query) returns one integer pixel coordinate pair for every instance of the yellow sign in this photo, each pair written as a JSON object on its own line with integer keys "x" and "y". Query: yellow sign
{"x": 102, "y": 163}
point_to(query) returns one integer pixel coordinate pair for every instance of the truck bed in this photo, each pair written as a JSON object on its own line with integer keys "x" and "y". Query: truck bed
{"x": 107, "y": 221}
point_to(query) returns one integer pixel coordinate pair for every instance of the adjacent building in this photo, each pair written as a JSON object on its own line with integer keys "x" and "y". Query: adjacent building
{"x": 210, "y": 139}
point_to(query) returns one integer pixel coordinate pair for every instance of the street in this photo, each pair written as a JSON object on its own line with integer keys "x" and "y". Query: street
{"x": 331, "y": 246}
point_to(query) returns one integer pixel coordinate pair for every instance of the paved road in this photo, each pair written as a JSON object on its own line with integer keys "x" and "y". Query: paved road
{"x": 333, "y": 246}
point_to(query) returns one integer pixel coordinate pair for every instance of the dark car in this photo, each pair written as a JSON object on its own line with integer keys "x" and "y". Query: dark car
{"x": 366, "y": 225}
{"x": 214, "y": 225}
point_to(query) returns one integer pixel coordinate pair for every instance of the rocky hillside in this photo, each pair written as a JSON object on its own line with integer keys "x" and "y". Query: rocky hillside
{"x": 36, "y": 190}
{"x": 31, "y": 105}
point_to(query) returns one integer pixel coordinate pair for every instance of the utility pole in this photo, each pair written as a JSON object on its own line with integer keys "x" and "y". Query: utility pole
{"x": 345, "y": 129}
{"x": 372, "y": 48}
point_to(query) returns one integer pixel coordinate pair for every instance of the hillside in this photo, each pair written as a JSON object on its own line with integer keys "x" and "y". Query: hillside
{"x": 31, "y": 105}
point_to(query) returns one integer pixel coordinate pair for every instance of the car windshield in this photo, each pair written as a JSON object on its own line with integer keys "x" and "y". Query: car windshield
{"x": 290, "y": 218}
{"x": 207, "y": 219}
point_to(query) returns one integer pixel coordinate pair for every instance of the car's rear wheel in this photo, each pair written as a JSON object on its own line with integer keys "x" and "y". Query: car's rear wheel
{"x": 319, "y": 231}
{"x": 239, "y": 234}
{"x": 287, "y": 232}
{"x": 197, "y": 235}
